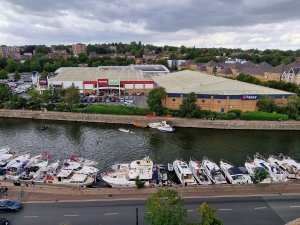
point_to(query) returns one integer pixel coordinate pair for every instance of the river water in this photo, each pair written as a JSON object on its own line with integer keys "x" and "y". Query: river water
{"x": 106, "y": 144}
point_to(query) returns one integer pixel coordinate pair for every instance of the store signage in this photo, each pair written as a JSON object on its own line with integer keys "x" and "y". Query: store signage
{"x": 102, "y": 82}
{"x": 113, "y": 82}
{"x": 249, "y": 97}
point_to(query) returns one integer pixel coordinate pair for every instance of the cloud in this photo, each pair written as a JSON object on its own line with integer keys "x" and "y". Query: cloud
{"x": 200, "y": 23}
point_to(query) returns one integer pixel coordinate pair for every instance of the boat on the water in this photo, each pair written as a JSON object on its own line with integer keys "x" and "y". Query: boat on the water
{"x": 251, "y": 167}
{"x": 234, "y": 174}
{"x": 276, "y": 174}
{"x": 213, "y": 171}
{"x": 165, "y": 127}
{"x": 124, "y": 130}
{"x": 199, "y": 172}
{"x": 139, "y": 124}
{"x": 83, "y": 161}
{"x": 45, "y": 127}
{"x": 183, "y": 173}
{"x": 6, "y": 157}
{"x": 16, "y": 166}
{"x": 286, "y": 163}
{"x": 120, "y": 167}
{"x": 32, "y": 172}
{"x": 139, "y": 168}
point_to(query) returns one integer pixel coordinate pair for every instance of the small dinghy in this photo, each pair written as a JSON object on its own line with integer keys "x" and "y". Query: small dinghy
{"x": 45, "y": 127}
{"x": 124, "y": 130}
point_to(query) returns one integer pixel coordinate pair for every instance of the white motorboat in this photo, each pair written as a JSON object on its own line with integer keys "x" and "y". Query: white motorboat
{"x": 199, "y": 172}
{"x": 234, "y": 174}
{"x": 289, "y": 165}
{"x": 16, "y": 166}
{"x": 165, "y": 127}
{"x": 6, "y": 157}
{"x": 70, "y": 165}
{"x": 70, "y": 178}
{"x": 252, "y": 168}
{"x": 124, "y": 130}
{"x": 120, "y": 167}
{"x": 183, "y": 172}
{"x": 83, "y": 161}
{"x": 213, "y": 171}
{"x": 139, "y": 168}
{"x": 33, "y": 172}
{"x": 4, "y": 150}
{"x": 88, "y": 170}
{"x": 155, "y": 125}
{"x": 276, "y": 174}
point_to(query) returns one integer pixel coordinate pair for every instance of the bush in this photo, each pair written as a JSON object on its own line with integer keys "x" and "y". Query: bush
{"x": 114, "y": 109}
{"x": 263, "y": 116}
{"x": 298, "y": 118}
{"x": 237, "y": 112}
{"x": 139, "y": 183}
{"x": 280, "y": 109}
{"x": 226, "y": 116}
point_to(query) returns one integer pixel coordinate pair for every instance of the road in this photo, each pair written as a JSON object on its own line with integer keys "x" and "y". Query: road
{"x": 271, "y": 210}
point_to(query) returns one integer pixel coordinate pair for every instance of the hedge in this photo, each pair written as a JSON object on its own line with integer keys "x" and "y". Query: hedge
{"x": 114, "y": 109}
{"x": 226, "y": 116}
{"x": 263, "y": 116}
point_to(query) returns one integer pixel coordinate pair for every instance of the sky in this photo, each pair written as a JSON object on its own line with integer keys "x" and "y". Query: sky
{"x": 262, "y": 24}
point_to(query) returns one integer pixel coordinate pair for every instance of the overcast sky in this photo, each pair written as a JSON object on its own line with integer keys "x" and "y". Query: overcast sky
{"x": 202, "y": 23}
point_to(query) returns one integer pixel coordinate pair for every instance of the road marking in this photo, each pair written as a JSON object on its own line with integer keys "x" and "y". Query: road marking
{"x": 70, "y": 215}
{"x": 295, "y": 206}
{"x": 110, "y": 214}
{"x": 225, "y": 209}
{"x": 31, "y": 216}
{"x": 260, "y": 208}
{"x": 191, "y": 210}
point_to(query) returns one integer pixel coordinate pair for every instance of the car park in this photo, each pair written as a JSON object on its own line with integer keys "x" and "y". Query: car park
{"x": 7, "y": 205}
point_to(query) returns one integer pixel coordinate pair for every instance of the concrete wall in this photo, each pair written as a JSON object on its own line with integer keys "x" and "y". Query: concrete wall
{"x": 179, "y": 122}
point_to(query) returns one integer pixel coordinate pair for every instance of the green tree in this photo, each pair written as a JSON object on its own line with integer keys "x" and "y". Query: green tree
{"x": 44, "y": 74}
{"x": 260, "y": 175}
{"x": 139, "y": 183}
{"x": 83, "y": 58}
{"x": 208, "y": 215}
{"x": 189, "y": 108}
{"x": 33, "y": 101}
{"x": 266, "y": 104}
{"x": 71, "y": 96}
{"x": 17, "y": 75}
{"x": 248, "y": 78}
{"x": 3, "y": 74}
{"x": 155, "y": 100}
{"x": 293, "y": 106}
{"x": 165, "y": 207}
{"x": 5, "y": 93}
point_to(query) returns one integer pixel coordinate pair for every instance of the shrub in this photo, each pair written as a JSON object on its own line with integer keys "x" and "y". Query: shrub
{"x": 237, "y": 112}
{"x": 114, "y": 109}
{"x": 263, "y": 116}
{"x": 298, "y": 118}
{"x": 226, "y": 116}
{"x": 139, "y": 183}
{"x": 280, "y": 109}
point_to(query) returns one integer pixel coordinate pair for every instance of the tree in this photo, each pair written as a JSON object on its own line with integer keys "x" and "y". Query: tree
{"x": 155, "y": 100}
{"x": 293, "y": 106}
{"x": 266, "y": 104}
{"x": 71, "y": 96}
{"x": 17, "y": 75}
{"x": 139, "y": 183}
{"x": 189, "y": 108}
{"x": 260, "y": 175}
{"x": 5, "y": 93}
{"x": 3, "y": 74}
{"x": 165, "y": 207}
{"x": 208, "y": 215}
{"x": 44, "y": 74}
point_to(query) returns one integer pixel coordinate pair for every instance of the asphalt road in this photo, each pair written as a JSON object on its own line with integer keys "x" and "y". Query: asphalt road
{"x": 232, "y": 210}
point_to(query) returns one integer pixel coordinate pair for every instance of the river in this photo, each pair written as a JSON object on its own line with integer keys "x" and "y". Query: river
{"x": 106, "y": 144}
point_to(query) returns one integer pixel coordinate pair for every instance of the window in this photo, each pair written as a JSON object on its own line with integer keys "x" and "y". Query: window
{"x": 290, "y": 77}
{"x": 173, "y": 99}
{"x": 219, "y": 101}
{"x": 222, "y": 110}
{"x": 203, "y": 101}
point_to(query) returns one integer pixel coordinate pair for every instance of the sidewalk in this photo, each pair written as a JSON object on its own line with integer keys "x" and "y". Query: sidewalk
{"x": 42, "y": 192}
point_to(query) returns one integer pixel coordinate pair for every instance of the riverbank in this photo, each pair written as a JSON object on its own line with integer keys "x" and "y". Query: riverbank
{"x": 125, "y": 119}
{"x": 43, "y": 192}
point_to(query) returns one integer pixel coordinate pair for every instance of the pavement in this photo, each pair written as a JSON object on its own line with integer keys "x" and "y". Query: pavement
{"x": 271, "y": 210}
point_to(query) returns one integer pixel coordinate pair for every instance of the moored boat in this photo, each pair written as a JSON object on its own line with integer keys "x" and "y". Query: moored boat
{"x": 139, "y": 124}
{"x": 252, "y": 168}
{"x": 83, "y": 161}
{"x": 213, "y": 171}
{"x": 199, "y": 172}
{"x": 234, "y": 174}
{"x": 287, "y": 164}
{"x": 165, "y": 127}
{"x": 183, "y": 173}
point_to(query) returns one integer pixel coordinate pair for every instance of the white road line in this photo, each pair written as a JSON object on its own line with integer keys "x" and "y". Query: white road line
{"x": 225, "y": 209}
{"x": 70, "y": 215}
{"x": 110, "y": 214}
{"x": 191, "y": 210}
{"x": 31, "y": 216}
{"x": 295, "y": 206}
{"x": 260, "y": 208}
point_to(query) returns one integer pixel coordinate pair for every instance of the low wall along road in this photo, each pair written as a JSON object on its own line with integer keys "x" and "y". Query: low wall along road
{"x": 178, "y": 122}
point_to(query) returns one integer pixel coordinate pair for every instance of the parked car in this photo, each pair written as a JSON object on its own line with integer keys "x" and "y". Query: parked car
{"x": 121, "y": 99}
{"x": 7, "y": 205}
{"x": 107, "y": 100}
{"x": 138, "y": 93}
{"x": 4, "y": 221}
